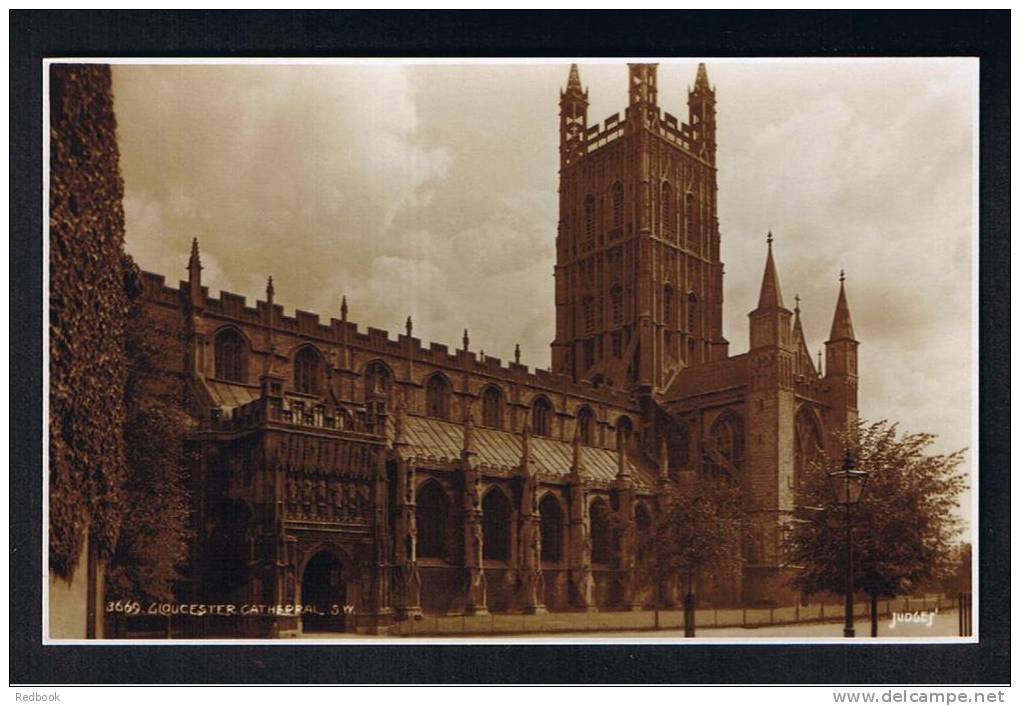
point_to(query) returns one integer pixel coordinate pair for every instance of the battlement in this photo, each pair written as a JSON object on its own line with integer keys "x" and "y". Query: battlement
{"x": 668, "y": 126}
{"x": 234, "y": 307}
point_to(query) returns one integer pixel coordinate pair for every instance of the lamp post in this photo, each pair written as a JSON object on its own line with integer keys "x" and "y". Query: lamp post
{"x": 848, "y": 484}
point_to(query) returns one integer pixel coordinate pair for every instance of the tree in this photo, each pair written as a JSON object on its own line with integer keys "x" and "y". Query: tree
{"x": 154, "y": 531}
{"x": 698, "y": 531}
{"x": 904, "y": 527}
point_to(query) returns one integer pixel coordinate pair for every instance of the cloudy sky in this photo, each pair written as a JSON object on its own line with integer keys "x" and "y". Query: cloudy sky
{"x": 430, "y": 190}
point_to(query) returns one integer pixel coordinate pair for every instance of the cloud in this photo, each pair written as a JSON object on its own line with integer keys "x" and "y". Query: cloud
{"x": 431, "y": 191}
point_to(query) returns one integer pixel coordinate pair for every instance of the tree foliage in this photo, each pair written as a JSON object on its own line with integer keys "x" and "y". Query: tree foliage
{"x": 697, "y": 532}
{"x": 154, "y": 534}
{"x": 905, "y": 526}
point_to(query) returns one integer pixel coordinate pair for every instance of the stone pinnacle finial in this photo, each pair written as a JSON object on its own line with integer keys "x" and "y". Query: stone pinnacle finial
{"x": 466, "y": 341}
{"x": 574, "y": 79}
{"x": 409, "y": 326}
{"x": 768, "y": 238}
{"x": 842, "y": 276}
{"x": 270, "y": 291}
{"x": 796, "y": 305}
{"x": 701, "y": 80}
{"x": 517, "y": 353}
{"x": 343, "y": 308}
{"x": 195, "y": 260}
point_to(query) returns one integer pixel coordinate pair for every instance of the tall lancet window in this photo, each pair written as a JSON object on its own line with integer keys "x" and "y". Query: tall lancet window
{"x": 668, "y": 225}
{"x": 308, "y": 371}
{"x": 617, "y": 200}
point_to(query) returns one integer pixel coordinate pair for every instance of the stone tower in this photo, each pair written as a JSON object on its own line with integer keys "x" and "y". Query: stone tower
{"x": 638, "y": 276}
{"x": 770, "y": 405}
{"x": 841, "y": 370}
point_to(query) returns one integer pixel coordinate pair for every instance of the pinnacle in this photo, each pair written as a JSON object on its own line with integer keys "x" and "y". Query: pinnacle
{"x": 842, "y": 325}
{"x": 771, "y": 297}
{"x": 702, "y": 79}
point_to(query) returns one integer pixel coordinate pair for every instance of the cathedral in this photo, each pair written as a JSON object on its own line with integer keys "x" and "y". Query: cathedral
{"x": 378, "y": 479}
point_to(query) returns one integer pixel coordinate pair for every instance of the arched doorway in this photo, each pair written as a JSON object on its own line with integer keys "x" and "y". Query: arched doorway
{"x": 324, "y": 585}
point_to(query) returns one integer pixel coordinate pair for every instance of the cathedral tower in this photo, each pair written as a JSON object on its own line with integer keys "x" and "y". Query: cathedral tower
{"x": 841, "y": 369}
{"x": 770, "y": 408}
{"x": 638, "y": 276}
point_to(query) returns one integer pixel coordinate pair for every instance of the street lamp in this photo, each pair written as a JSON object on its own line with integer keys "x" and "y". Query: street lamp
{"x": 848, "y": 484}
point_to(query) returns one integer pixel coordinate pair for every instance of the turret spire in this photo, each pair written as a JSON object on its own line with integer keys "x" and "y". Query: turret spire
{"x": 194, "y": 262}
{"x": 574, "y": 80}
{"x": 842, "y": 326}
{"x": 701, "y": 81}
{"x": 771, "y": 297}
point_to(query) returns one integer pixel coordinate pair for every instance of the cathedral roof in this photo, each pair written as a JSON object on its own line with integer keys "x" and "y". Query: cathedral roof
{"x": 708, "y": 378}
{"x": 435, "y": 440}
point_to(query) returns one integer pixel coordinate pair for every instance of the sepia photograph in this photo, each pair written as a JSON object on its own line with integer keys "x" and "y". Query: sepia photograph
{"x": 482, "y": 348}
{"x": 433, "y": 349}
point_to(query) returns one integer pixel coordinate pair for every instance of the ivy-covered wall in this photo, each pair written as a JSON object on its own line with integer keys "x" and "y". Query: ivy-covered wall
{"x": 88, "y": 306}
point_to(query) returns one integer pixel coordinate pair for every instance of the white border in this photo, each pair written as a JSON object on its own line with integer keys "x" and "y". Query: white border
{"x": 574, "y": 639}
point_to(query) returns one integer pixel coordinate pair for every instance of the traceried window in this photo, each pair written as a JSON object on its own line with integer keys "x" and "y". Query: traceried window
{"x": 616, "y": 301}
{"x": 585, "y": 425}
{"x": 541, "y": 417}
{"x": 377, "y": 380}
{"x": 601, "y": 532}
{"x": 496, "y": 526}
{"x": 588, "y": 312}
{"x": 431, "y": 510}
{"x": 617, "y": 200}
{"x": 624, "y": 431}
{"x": 492, "y": 407}
{"x": 550, "y": 525}
{"x": 689, "y": 219}
{"x": 229, "y": 354}
{"x": 692, "y": 313}
{"x": 437, "y": 397}
{"x": 668, "y": 226}
{"x": 807, "y": 445}
{"x": 724, "y": 447}
{"x": 589, "y": 222}
{"x": 308, "y": 371}
{"x": 667, "y": 306}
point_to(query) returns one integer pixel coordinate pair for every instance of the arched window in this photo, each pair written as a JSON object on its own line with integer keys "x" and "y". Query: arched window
{"x": 689, "y": 219}
{"x": 496, "y": 521}
{"x": 807, "y": 445}
{"x": 437, "y": 397}
{"x": 678, "y": 447}
{"x": 692, "y": 313}
{"x": 617, "y": 199}
{"x": 308, "y": 371}
{"x": 616, "y": 298}
{"x": 377, "y": 380}
{"x": 588, "y": 312}
{"x": 492, "y": 407}
{"x": 431, "y": 510}
{"x": 668, "y": 226}
{"x": 624, "y": 431}
{"x": 724, "y": 448}
{"x": 541, "y": 417}
{"x": 601, "y": 533}
{"x": 589, "y": 221}
{"x": 550, "y": 526}
{"x": 585, "y": 425}
{"x": 667, "y": 306}
{"x": 230, "y": 358}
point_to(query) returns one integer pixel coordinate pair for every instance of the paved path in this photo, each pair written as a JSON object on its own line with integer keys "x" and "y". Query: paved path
{"x": 943, "y": 625}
